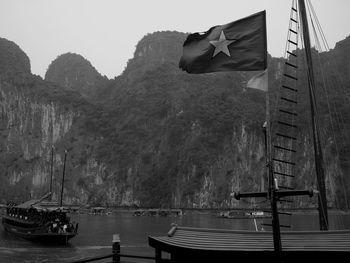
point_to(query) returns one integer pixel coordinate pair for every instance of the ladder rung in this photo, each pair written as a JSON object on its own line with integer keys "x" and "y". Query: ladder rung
{"x": 287, "y": 226}
{"x": 286, "y": 136}
{"x": 266, "y": 224}
{"x": 287, "y": 124}
{"x": 289, "y": 64}
{"x": 289, "y": 76}
{"x": 289, "y": 100}
{"x": 293, "y": 31}
{"x": 286, "y": 187}
{"x": 285, "y": 213}
{"x": 294, "y": 20}
{"x": 288, "y": 112}
{"x": 286, "y": 149}
{"x": 286, "y": 87}
{"x": 294, "y": 9}
{"x": 292, "y": 54}
{"x": 294, "y": 43}
{"x": 289, "y": 175}
{"x": 283, "y": 161}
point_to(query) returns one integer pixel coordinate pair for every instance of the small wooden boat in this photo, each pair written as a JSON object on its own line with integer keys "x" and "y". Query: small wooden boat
{"x": 39, "y": 223}
{"x": 98, "y": 211}
{"x": 41, "y": 220}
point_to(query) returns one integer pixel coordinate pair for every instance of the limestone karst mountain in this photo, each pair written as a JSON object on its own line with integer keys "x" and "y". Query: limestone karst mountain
{"x": 74, "y": 72}
{"x": 153, "y": 136}
{"x": 12, "y": 58}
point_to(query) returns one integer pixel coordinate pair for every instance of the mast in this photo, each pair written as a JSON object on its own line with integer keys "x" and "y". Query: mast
{"x": 64, "y": 171}
{"x": 52, "y": 148}
{"x": 272, "y": 187}
{"x": 273, "y": 193}
{"x": 322, "y": 199}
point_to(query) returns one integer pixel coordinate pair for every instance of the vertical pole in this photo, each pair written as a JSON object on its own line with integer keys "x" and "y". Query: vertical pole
{"x": 51, "y": 174}
{"x": 64, "y": 171}
{"x": 262, "y": 186}
{"x": 277, "y": 244}
{"x": 116, "y": 248}
{"x": 272, "y": 186}
{"x": 159, "y": 255}
{"x": 267, "y": 126}
{"x": 322, "y": 199}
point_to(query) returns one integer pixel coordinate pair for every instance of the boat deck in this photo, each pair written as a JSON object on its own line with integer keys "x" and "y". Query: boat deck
{"x": 198, "y": 243}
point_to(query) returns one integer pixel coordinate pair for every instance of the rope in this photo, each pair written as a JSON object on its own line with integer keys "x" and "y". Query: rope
{"x": 337, "y": 114}
{"x": 342, "y": 86}
{"x": 322, "y": 71}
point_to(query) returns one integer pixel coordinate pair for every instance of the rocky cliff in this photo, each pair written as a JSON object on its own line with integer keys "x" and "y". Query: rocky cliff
{"x": 12, "y": 58}
{"x": 154, "y": 137}
{"x": 73, "y": 72}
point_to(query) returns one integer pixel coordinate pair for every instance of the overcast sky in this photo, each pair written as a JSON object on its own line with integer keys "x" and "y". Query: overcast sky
{"x": 106, "y": 32}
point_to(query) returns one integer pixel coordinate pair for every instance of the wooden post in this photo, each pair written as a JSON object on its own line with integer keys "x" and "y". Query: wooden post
{"x": 272, "y": 187}
{"x": 52, "y": 148}
{"x": 158, "y": 256}
{"x": 64, "y": 171}
{"x": 116, "y": 248}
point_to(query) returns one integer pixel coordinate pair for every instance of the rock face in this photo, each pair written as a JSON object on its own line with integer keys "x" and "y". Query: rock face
{"x": 74, "y": 72}
{"x": 159, "y": 137}
{"x": 340, "y": 53}
{"x": 30, "y": 125}
{"x": 152, "y": 51}
{"x": 12, "y": 58}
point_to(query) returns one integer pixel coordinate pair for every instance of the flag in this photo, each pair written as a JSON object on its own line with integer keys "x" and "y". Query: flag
{"x": 240, "y": 45}
{"x": 259, "y": 81}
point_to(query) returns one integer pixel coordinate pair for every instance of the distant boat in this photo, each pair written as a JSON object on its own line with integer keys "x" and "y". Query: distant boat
{"x": 40, "y": 220}
{"x": 100, "y": 211}
{"x": 176, "y": 212}
{"x": 242, "y": 214}
{"x": 139, "y": 212}
{"x": 158, "y": 212}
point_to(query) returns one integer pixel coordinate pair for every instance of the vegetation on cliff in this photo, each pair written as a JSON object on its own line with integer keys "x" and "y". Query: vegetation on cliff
{"x": 157, "y": 136}
{"x": 12, "y": 58}
{"x": 74, "y": 72}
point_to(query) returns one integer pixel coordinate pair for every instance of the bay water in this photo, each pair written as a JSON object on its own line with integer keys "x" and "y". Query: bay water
{"x": 96, "y": 233}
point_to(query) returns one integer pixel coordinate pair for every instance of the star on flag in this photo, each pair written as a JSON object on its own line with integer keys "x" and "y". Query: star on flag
{"x": 221, "y": 45}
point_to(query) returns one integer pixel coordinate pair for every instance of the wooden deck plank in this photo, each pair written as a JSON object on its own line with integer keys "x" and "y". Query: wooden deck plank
{"x": 231, "y": 240}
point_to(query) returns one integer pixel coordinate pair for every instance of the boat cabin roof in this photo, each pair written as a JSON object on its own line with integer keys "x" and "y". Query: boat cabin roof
{"x": 187, "y": 239}
{"x": 40, "y": 206}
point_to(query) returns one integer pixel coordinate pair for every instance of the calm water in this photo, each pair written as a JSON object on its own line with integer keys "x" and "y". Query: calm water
{"x": 96, "y": 231}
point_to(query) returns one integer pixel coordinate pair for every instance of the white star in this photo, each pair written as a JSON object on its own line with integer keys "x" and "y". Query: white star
{"x": 221, "y": 45}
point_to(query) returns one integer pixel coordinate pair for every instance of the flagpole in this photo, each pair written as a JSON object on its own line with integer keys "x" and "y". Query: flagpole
{"x": 268, "y": 135}
{"x": 272, "y": 184}
{"x": 52, "y": 148}
{"x": 64, "y": 171}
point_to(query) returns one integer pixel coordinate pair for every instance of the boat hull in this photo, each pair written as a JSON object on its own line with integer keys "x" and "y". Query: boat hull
{"x": 38, "y": 234}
